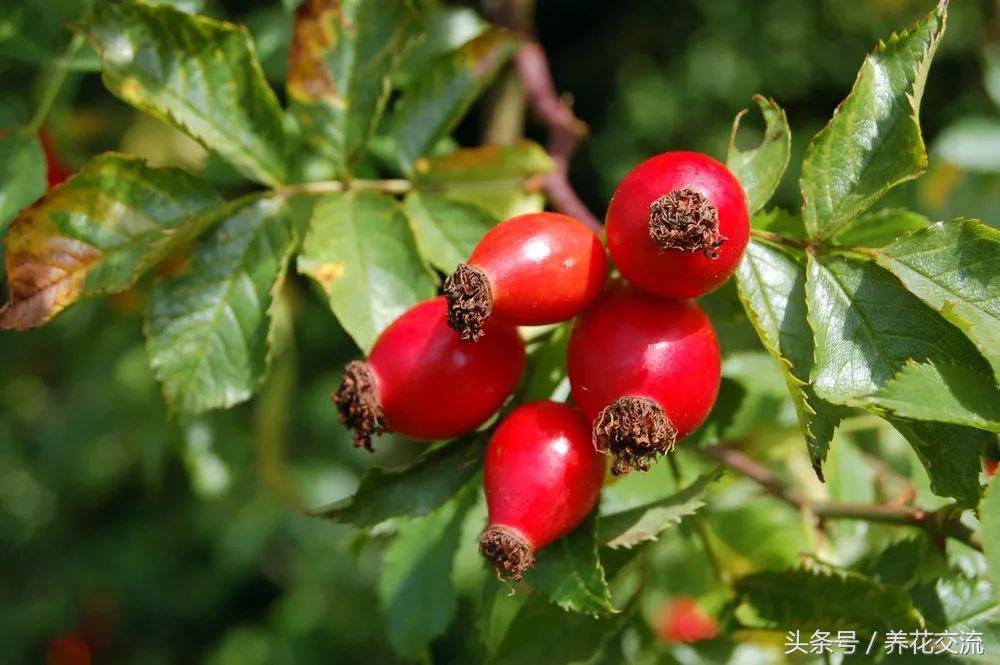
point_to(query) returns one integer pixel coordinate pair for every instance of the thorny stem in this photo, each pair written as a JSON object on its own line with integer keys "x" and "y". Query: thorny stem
{"x": 943, "y": 522}
{"x": 60, "y": 67}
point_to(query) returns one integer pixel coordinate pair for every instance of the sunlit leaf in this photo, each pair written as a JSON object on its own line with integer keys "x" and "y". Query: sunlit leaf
{"x": 97, "y": 234}
{"x": 208, "y": 329}
{"x": 867, "y": 326}
{"x": 501, "y": 179}
{"x": 338, "y": 74}
{"x": 430, "y": 109}
{"x": 643, "y": 523}
{"x": 446, "y": 229}
{"x": 873, "y": 142}
{"x": 195, "y": 73}
{"x": 771, "y": 282}
{"x": 361, "y": 252}
{"x": 944, "y": 393}
{"x": 569, "y": 572}
{"x": 415, "y": 589}
{"x": 22, "y": 175}
{"x": 955, "y": 268}
{"x": 760, "y": 169}
{"x": 413, "y": 491}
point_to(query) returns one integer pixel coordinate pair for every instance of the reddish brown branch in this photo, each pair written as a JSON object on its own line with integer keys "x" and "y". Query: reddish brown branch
{"x": 553, "y": 109}
{"x": 565, "y": 130}
{"x": 938, "y": 523}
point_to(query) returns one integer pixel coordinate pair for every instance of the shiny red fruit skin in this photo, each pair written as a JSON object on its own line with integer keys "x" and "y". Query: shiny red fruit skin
{"x": 542, "y": 267}
{"x": 431, "y": 385}
{"x": 671, "y": 273}
{"x": 542, "y": 475}
{"x": 631, "y": 344}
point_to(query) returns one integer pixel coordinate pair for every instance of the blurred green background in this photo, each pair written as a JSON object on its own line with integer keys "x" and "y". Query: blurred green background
{"x": 157, "y": 540}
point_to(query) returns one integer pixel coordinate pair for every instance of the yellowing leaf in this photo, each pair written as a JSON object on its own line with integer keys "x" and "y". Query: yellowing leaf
{"x": 97, "y": 234}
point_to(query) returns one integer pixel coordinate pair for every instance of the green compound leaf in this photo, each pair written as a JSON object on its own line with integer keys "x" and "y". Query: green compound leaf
{"x": 570, "y": 573}
{"x": 873, "y": 142}
{"x": 415, "y": 589}
{"x": 541, "y": 632}
{"x": 943, "y": 393}
{"x": 432, "y": 107}
{"x": 644, "y": 523}
{"x": 867, "y": 326}
{"x": 208, "y": 330}
{"x": 989, "y": 517}
{"x": 501, "y": 179}
{"x": 414, "y": 491}
{"x": 808, "y": 600}
{"x": 875, "y": 229}
{"x": 954, "y": 267}
{"x": 760, "y": 169}
{"x": 446, "y": 229}
{"x": 339, "y": 63}
{"x": 97, "y": 234}
{"x": 22, "y": 175}
{"x": 195, "y": 73}
{"x": 950, "y": 454}
{"x": 771, "y": 283}
{"x": 361, "y": 252}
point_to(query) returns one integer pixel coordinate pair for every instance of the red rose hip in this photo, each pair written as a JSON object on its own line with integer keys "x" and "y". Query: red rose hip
{"x": 421, "y": 381}
{"x": 542, "y": 476}
{"x": 645, "y": 371}
{"x": 529, "y": 270}
{"x": 678, "y": 224}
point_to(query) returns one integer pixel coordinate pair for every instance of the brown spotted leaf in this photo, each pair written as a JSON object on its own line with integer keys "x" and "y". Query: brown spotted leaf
{"x": 338, "y": 76}
{"x": 97, "y": 234}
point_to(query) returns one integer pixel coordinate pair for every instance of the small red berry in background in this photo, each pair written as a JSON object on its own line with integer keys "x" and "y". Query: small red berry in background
{"x": 67, "y": 649}
{"x": 681, "y": 620}
{"x": 57, "y": 171}
{"x": 421, "y": 381}
{"x": 991, "y": 467}
{"x": 529, "y": 270}
{"x": 645, "y": 371}
{"x": 542, "y": 477}
{"x": 678, "y": 224}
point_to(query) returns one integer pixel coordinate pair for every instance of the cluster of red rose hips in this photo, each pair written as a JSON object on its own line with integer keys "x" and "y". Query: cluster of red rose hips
{"x": 643, "y": 358}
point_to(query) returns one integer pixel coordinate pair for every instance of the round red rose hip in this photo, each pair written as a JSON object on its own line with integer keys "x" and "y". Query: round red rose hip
{"x": 678, "y": 224}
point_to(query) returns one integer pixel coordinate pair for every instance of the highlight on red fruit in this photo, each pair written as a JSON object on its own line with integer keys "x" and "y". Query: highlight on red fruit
{"x": 532, "y": 269}
{"x": 644, "y": 371}
{"x": 542, "y": 477}
{"x": 678, "y": 224}
{"x": 68, "y": 649}
{"x": 681, "y": 620}
{"x": 421, "y": 381}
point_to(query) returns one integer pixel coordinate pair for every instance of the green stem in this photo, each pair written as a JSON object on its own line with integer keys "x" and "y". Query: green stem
{"x": 390, "y": 186}
{"x": 778, "y": 239}
{"x": 57, "y": 76}
{"x": 700, "y": 528}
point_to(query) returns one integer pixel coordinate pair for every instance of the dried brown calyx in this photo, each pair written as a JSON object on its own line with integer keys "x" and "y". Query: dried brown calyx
{"x": 684, "y": 220}
{"x": 508, "y": 551}
{"x": 470, "y": 301}
{"x": 634, "y": 431}
{"x": 358, "y": 404}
